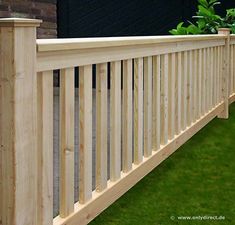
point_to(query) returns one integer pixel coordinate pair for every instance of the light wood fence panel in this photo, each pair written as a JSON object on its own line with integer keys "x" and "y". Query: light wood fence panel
{"x": 163, "y": 90}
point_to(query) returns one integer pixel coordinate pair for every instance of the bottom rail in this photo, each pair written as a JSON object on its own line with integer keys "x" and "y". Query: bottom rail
{"x": 231, "y": 98}
{"x": 83, "y": 214}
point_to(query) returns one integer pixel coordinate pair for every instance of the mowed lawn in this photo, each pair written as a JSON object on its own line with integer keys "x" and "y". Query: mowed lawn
{"x": 197, "y": 180}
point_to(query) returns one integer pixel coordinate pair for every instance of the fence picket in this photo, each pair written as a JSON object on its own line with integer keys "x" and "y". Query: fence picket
{"x": 66, "y": 141}
{"x": 127, "y": 115}
{"x": 115, "y": 121}
{"x": 171, "y": 96}
{"x": 156, "y": 102}
{"x": 164, "y": 98}
{"x": 101, "y": 126}
{"x": 85, "y": 133}
{"x": 148, "y": 76}
{"x": 45, "y": 147}
{"x": 179, "y": 94}
{"x": 138, "y": 110}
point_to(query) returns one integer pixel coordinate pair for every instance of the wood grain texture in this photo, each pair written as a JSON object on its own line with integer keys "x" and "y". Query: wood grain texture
{"x": 189, "y": 88}
{"x": 85, "y": 133}
{"x": 101, "y": 126}
{"x": 164, "y": 98}
{"x": 156, "y": 126}
{"x": 171, "y": 95}
{"x": 67, "y": 95}
{"x": 45, "y": 147}
{"x": 127, "y": 118}
{"x": 45, "y": 45}
{"x": 148, "y": 76}
{"x": 50, "y": 60}
{"x": 138, "y": 110}
{"x": 179, "y": 93}
{"x": 115, "y": 121}
{"x": 184, "y": 90}
{"x": 200, "y": 78}
{"x": 18, "y": 125}
{"x": 225, "y": 73}
{"x": 231, "y": 87}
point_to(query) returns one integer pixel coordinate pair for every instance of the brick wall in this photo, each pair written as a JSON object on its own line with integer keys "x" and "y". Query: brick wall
{"x": 34, "y": 9}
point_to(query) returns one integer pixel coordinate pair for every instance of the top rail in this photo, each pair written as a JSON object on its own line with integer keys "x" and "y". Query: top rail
{"x": 45, "y": 45}
{"x": 63, "y": 53}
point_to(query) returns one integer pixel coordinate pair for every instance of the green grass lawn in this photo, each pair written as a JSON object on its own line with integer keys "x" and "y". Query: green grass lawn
{"x": 197, "y": 180}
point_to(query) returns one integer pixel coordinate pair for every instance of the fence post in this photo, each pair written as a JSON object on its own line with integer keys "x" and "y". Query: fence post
{"x": 18, "y": 121}
{"x": 225, "y": 73}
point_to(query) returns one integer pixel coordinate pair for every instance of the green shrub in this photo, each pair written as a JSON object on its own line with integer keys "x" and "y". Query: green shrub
{"x": 207, "y": 21}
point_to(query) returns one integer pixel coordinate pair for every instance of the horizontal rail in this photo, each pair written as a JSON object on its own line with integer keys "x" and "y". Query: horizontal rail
{"x": 54, "y": 54}
{"x": 47, "y": 45}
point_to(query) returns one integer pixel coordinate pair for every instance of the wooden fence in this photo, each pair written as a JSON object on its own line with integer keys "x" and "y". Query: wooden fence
{"x": 164, "y": 89}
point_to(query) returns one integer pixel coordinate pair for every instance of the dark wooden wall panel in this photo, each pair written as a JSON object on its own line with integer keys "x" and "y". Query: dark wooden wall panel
{"x": 102, "y": 18}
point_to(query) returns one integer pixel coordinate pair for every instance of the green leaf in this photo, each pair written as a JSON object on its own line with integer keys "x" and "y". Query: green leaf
{"x": 192, "y": 29}
{"x": 231, "y": 12}
{"x": 201, "y": 23}
{"x": 182, "y": 31}
{"x": 173, "y": 31}
{"x": 211, "y": 2}
{"x": 204, "y": 11}
{"x": 203, "y": 3}
{"x": 180, "y": 25}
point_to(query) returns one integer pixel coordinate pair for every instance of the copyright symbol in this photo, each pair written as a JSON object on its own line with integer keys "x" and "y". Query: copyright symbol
{"x": 172, "y": 218}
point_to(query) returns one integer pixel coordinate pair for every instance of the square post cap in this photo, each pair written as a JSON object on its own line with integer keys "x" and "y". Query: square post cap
{"x": 225, "y": 31}
{"x": 19, "y": 22}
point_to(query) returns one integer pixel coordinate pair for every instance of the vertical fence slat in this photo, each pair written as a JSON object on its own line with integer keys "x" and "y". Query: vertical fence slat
{"x": 195, "y": 82}
{"x": 156, "y": 101}
{"x": 138, "y": 110}
{"x": 211, "y": 78}
{"x": 200, "y": 71}
{"x": 221, "y": 71}
{"x": 148, "y": 72}
{"x": 214, "y": 77}
{"x": 171, "y": 93}
{"x": 179, "y": 86}
{"x": 85, "y": 133}
{"x": 231, "y": 70}
{"x": 219, "y": 78}
{"x": 189, "y": 88}
{"x": 115, "y": 121}
{"x": 101, "y": 126}
{"x": 184, "y": 90}
{"x": 217, "y": 74}
{"x": 164, "y": 98}
{"x": 45, "y": 147}
{"x": 127, "y": 116}
{"x": 204, "y": 81}
{"x": 207, "y": 85}
{"x": 66, "y": 141}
